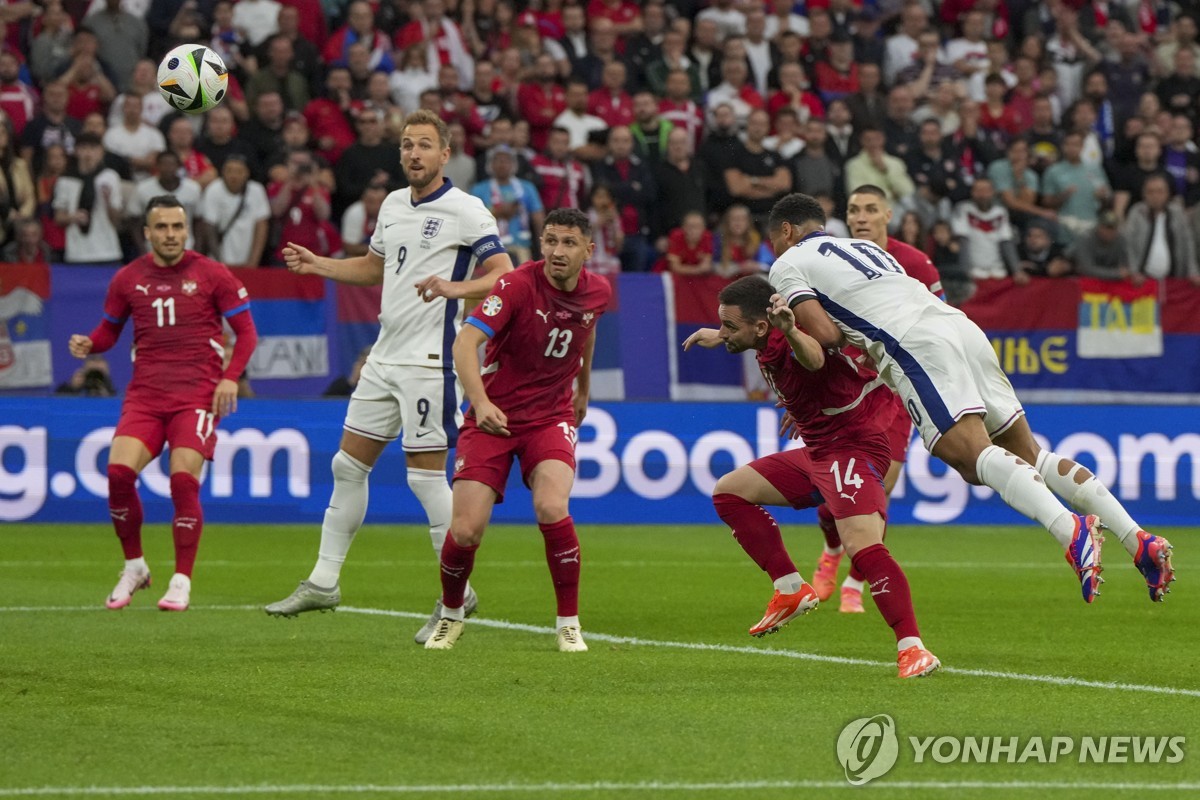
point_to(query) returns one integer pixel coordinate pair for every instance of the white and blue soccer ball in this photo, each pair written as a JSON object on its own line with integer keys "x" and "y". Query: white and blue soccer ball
{"x": 192, "y": 78}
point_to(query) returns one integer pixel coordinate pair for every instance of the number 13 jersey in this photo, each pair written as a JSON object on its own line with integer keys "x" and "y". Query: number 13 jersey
{"x": 537, "y": 334}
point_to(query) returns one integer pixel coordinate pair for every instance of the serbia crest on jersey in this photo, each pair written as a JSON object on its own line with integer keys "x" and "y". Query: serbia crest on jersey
{"x": 446, "y": 234}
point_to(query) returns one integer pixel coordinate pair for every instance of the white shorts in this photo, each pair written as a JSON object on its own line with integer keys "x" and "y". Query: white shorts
{"x": 424, "y": 402}
{"x": 945, "y": 368}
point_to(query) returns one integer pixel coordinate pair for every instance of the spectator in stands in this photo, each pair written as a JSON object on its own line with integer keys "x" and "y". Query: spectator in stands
{"x": 1181, "y": 160}
{"x": 1130, "y": 178}
{"x": 1158, "y": 239}
{"x": 1018, "y": 185}
{"x": 929, "y": 68}
{"x": 903, "y": 47}
{"x": 680, "y": 109}
{"x": 441, "y": 38}
{"x": 144, "y": 84}
{"x": 729, "y": 20}
{"x": 170, "y": 179}
{"x": 122, "y": 39}
{"x": 28, "y": 246}
{"x": 841, "y": 142}
{"x": 837, "y": 77}
{"x": 358, "y": 223}
{"x": 574, "y": 41}
{"x": 581, "y": 125}
{"x": 1107, "y": 123}
{"x": 258, "y": 18}
{"x": 359, "y": 29}
{"x": 277, "y": 75}
{"x": 1180, "y": 90}
{"x": 679, "y": 180}
{"x": 736, "y": 245}
{"x": 306, "y": 58}
{"x": 761, "y": 52}
{"x": 235, "y": 216}
{"x": 379, "y": 97}
{"x": 230, "y": 42}
{"x": 541, "y": 100}
{"x": 633, "y": 188}
{"x": 996, "y": 116}
{"x": 757, "y": 177}
{"x": 945, "y": 251}
{"x": 602, "y": 50}
{"x": 625, "y": 16}
{"x": 793, "y": 93}
{"x": 607, "y": 233}
{"x": 50, "y": 51}
{"x": 134, "y": 140}
{"x": 869, "y": 47}
{"x": 786, "y": 141}
{"x": 460, "y": 167}
{"x": 969, "y": 52}
{"x": 816, "y": 172}
{"x": 783, "y": 17}
{"x": 414, "y": 75}
{"x": 911, "y": 231}
{"x": 933, "y": 172}
{"x": 611, "y": 102}
{"x": 17, "y": 196}
{"x": 92, "y": 379}
{"x": 18, "y": 100}
{"x": 87, "y": 202}
{"x": 717, "y": 154}
{"x": 650, "y": 131}
{"x": 1038, "y": 255}
{"x": 690, "y": 247}
{"x": 300, "y": 208}
{"x": 1182, "y": 37}
{"x": 563, "y": 179}
{"x": 1044, "y": 137}
{"x": 735, "y": 91}
{"x": 181, "y": 139}
{"x": 490, "y": 102}
{"x": 673, "y": 57}
{"x": 1128, "y": 75}
{"x": 1102, "y": 253}
{"x": 88, "y": 88}
{"x": 343, "y": 386}
{"x": 705, "y": 52}
{"x": 370, "y": 158}
{"x": 1075, "y": 190}
{"x": 987, "y": 234}
{"x": 503, "y": 132}
{"x": 867, "y": 105}
{"x": 54, "y": 166}
{"x": 514, "y": 202}
{"x": 876, "y": 166}
{"x": 219, "y": 142}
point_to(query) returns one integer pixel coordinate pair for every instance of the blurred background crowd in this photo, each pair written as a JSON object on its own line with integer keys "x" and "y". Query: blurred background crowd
{"x": 1013, "y": 138}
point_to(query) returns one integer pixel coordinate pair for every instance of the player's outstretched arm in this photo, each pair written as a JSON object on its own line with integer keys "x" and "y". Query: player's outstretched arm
{"x": 583, "y": 381}
{"x": 493, "y": 268}
{"x": 707, "y": 338}
{"x": 359, "y": 271}
{"x": 808, "y": 351}
{"x": 466, "y": 363}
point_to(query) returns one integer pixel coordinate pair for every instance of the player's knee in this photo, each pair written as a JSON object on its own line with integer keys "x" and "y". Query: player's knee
{"x": 550, "y": 509}
{"x": 122, "y": 481}
{"x": 466, "y": 534}
{"x": 347, "y": 468}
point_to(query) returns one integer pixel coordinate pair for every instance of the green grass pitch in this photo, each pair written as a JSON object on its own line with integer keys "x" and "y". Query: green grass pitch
{"x": 223, "y": 700}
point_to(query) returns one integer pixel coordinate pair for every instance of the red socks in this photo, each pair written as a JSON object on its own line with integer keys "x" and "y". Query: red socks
{"x": 457, "y": 563}
{"x": 189, "y": 520}
{"x": 125, "y": 508}
{"x": 889, "y": 589}
{"x": 828, "y": 526}
{"x": 562, "y": 556}
{"x": 757, "y": 532}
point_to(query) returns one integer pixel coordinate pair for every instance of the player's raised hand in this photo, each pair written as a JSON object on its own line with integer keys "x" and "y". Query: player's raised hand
{"x": 79, "y": 345}
{"x": 491, "y": 419}
{"x": 299, "y": 260}
{"x": 780, "y": 315}
{"x": 434, "y": 287}
{"x": 225, "y": 398}
{"x": 787, "y": 425}
{"x": 707, "y": 338}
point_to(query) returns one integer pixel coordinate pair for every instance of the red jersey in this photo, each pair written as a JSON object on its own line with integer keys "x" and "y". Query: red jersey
{"x": 536, "y": 338}
{"x": 917, "y": 265}
{"x": 562, "y": 181}
{"x": 539, "y": 106}
{"x": 677, "y": 245}
{"x": 177, "y": 325}
{"x": 686, "y": 115}
{"x": 615, "y": 109}
{"x": 840, "y": 402}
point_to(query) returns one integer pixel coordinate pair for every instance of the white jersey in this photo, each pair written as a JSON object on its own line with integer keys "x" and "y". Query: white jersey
{"x": 446, "y": 234}
{"x": 861, "y": 286}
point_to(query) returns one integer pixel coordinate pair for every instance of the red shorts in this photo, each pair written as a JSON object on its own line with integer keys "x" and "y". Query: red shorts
{"x": 488, "y": 459}
{"x": 194, "y": 428}
{"x": 900, "y": 432}
{"x": 848, "y": 478}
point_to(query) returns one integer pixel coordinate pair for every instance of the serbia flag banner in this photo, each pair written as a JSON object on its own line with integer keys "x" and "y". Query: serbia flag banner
{"x": 24, "y": 342}
{"x": 289, "y": 313}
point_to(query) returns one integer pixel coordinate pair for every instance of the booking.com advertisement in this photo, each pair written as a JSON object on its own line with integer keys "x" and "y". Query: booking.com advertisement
{"x": 637, "y": 463}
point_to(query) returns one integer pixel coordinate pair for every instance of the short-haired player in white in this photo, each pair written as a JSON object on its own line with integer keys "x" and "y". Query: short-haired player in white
{"x": 428, "y": 241}
{"x": 945, "y": 370}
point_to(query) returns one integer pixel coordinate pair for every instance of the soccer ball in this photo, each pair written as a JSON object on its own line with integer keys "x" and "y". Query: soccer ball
{"x": 192, "y": 78}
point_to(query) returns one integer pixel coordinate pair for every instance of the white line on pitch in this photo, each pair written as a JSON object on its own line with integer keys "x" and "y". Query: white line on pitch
{"x": 594, "y": 564}
{"x": 1054, "y": 680}
{"x": 598, "y": 786}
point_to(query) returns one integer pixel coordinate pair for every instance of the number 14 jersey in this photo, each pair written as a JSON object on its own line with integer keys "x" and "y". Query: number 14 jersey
{"x": 537, "y": 334}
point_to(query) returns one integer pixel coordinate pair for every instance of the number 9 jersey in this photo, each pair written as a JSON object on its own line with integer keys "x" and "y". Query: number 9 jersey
{"x": 537, "y": 334}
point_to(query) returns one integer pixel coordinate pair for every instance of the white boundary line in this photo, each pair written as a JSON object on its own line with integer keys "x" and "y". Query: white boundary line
{"x": 517, "y": 564}
{"x": 1054, "y": 680}
{"x": 598, "y": 786}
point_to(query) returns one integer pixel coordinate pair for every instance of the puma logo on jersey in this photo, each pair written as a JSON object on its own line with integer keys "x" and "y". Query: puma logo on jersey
{"x": 143, "y": 289}
{"x": 503, "y": 282}
{"x": 849, "y": 497}
{"x": 545, "y": 315}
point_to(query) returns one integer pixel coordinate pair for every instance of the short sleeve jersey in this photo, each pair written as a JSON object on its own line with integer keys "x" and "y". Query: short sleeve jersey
{"x": 917, "y": 265}
{"x": 861, "y": 286}
{"x": 837, "y": 403}
{"x": 537, "y": 334}
{"x": 177, "y": 317}
{"x": 445, "y": 234}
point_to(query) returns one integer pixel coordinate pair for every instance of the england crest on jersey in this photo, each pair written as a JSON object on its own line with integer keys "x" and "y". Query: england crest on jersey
{"x": 432, "y": 227}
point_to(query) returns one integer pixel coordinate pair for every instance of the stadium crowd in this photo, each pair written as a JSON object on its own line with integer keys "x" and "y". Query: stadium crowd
{"x": 1013, "y": 138}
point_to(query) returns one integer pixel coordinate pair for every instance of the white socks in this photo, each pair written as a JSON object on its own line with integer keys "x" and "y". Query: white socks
{"x": 566, "y": 622}
{"x": 1019, "y": 485}
{"x": 138, "y": 564}
{"x": 344, "y": 516}
{"x": 910, "y": 641}
{"x": 788, "y": 584}
{"x": 1089, "y": 497}
{"x": 850, "y": 583}
{"x": 833, "y": 551}
{"x": 437, "y": 498}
